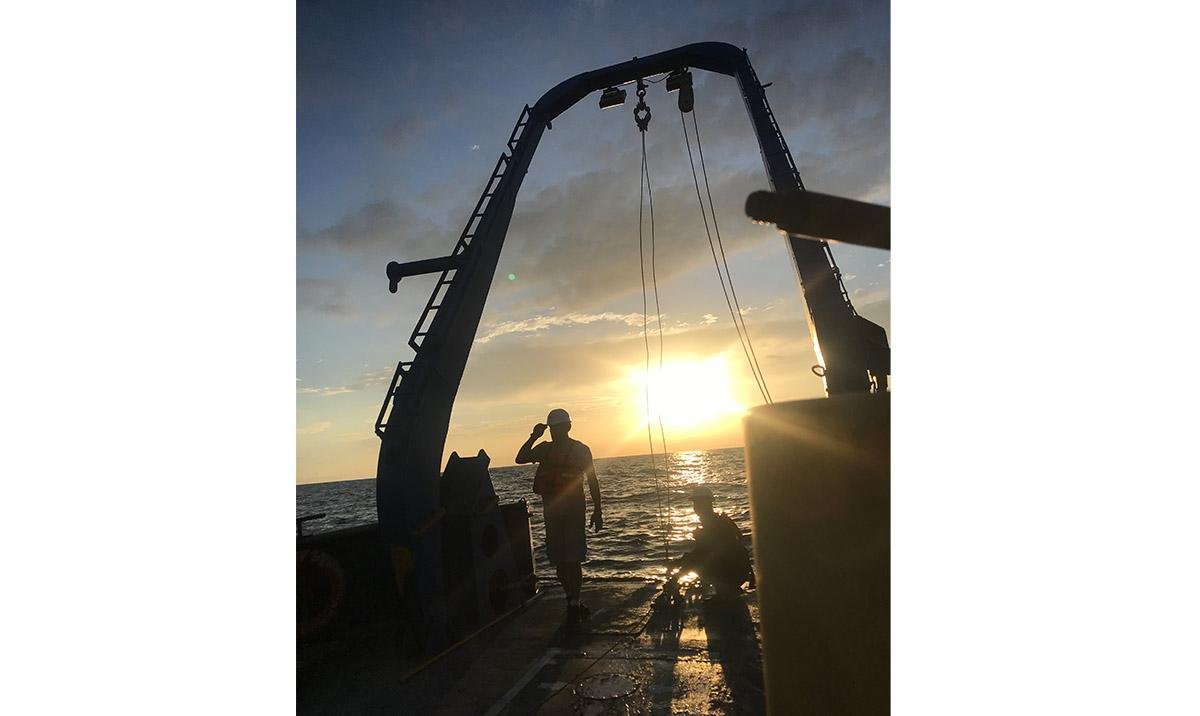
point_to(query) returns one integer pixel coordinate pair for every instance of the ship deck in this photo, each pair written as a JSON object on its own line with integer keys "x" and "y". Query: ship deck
{"x": 707, "y": 663}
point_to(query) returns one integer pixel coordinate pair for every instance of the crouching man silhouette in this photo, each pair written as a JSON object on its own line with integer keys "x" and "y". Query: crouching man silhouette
{"x": 719, "y": 558}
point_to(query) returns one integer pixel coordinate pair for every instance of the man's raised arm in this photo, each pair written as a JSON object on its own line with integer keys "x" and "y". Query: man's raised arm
{"x": 525, "y": 454}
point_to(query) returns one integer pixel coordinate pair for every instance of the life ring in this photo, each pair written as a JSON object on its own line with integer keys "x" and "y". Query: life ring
{"x": 320, "y": 590}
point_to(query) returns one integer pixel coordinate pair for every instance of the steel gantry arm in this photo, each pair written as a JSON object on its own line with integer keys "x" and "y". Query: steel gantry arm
{"x": 851, "y": 350}
{"x": 415, "y": 416}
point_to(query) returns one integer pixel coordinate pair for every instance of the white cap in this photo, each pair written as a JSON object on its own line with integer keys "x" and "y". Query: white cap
{"x": 556, "y": 416}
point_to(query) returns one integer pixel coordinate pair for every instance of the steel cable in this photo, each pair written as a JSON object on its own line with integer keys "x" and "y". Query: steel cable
{"x": 716, "y": 262}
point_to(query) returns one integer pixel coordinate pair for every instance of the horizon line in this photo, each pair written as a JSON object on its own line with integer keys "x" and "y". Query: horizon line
{"x": 490, "y": 467}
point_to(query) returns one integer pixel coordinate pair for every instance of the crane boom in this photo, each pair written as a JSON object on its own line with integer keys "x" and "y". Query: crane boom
{"x": 415, "y": 416}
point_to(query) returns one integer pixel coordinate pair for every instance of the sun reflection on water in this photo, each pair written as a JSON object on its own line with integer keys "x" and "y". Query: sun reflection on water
{"x": 682, "y": 472}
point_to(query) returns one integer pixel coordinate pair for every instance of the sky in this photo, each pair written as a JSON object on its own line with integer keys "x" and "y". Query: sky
{"x": 402, "y": 112}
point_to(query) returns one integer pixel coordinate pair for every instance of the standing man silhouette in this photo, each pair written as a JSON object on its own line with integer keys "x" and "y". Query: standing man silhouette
{"x": 563, "y": 462}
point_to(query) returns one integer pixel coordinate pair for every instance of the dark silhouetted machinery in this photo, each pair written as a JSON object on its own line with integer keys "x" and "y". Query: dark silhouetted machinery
{"x": 459, "y": 558}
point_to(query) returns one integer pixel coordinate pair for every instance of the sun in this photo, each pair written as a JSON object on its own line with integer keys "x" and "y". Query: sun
{"x": 690, "y": 396}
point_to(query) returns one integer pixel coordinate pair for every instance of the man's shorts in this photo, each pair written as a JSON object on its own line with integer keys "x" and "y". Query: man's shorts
{"x": 566, "y": 529}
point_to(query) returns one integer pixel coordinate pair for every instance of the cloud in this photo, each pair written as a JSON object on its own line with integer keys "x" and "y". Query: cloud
{"x": 593, "y": 368}
{"x": 335, "y": 390}
{"x": 541, "y": 323}
{"x": 388, "y": 97}
{"x": 323, "y": 296}
{"x": 375, "y": 225}
{"x": 577, "y": 241}
{"x": 830, "y": 91}
{"x": 419, "y": 120}
{"x": 368, "y": 379}
{"x": 575, "y": 244}
{"x": 314, "y": 428}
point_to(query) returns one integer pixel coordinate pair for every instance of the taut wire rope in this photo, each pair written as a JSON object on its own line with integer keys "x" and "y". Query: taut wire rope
{"x": 662, "y": 434}
{"x": 716, "y": 262}
{"x": 643, "y": 176}
{"x": 720, "y": 245}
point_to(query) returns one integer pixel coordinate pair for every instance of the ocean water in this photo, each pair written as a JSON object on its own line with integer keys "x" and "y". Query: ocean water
{"x": 635, "y": 537}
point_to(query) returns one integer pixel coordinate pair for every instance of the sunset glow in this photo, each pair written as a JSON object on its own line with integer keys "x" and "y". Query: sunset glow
{"x": 691, "y": 396}
{"x": 394, "y": 145}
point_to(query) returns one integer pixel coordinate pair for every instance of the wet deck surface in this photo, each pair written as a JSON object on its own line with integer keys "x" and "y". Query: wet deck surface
{"x": 707, "y": 663}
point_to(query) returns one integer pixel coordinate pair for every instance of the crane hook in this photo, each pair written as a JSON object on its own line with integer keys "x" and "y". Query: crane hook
{"x": 643, "y": 122}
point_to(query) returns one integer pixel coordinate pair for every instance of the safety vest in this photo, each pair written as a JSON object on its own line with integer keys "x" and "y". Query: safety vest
{"x": 556, "y": 472}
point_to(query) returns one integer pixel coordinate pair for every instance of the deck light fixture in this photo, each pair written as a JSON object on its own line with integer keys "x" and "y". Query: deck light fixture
{"x": 612, "y": 97}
